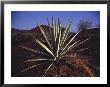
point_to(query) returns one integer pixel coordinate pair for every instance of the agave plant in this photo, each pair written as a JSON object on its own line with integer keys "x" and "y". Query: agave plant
{"x": 55, "y": 46}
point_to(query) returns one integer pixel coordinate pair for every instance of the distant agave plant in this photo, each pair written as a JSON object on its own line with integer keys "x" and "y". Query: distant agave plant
{"x": 55, "y": 46}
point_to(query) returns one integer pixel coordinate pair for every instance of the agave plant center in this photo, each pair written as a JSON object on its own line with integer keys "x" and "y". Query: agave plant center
{"x": 57, "y": 60}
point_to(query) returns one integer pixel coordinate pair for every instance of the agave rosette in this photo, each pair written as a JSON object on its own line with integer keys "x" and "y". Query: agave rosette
{"x": 55, "y": 44}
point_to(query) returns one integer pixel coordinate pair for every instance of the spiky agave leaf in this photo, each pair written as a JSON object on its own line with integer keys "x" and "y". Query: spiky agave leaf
{"x": 45, "y": 47}
{"x": 65, "y": 34}
{"x": 45, "y": 36}
{"x": 59, "y": 38}
{"x": 48, "y": 68}
{"x": 33, "y": 66}
{"x": 66, "y": 46}
{"x": 29, "y": 49}
{"x": 76, "y": 44}
{"x": 34, "y": 60}
{"x": 33, "y": 50}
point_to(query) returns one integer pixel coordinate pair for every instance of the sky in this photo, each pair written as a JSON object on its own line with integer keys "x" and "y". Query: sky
{"x": 26, "y": 20}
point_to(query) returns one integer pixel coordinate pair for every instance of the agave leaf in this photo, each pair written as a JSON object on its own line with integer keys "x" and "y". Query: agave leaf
{"x": 47, "y": 34}
{"x": 73, "y": 46}
{"x": 71, "y": 40}
{"x": 65, "y": 33}
{"x": 59, "y": 37}
{"x": 50, "y": 32}
{"x": 31, "y": 67}
{"x": 48, "y": 68}
{"x": 68, "y": 37}
{"x": 55, "y": 31}
{"x": 53, "y": 27}
{"x": 53, "y": 35}
{"x": 45, "y": 47}
{"x": 44, "y": 36}
{"x": 84, "y": 57}
{"x": 58, "y": 28}
{"x": 83, "y": 49}
{"x": 34, "y": 50}
{"x": 69, "y": 48}
{"x": 34, "y": 60}
{"x": 29, "y": 49}
{"x": 82, "y": 42}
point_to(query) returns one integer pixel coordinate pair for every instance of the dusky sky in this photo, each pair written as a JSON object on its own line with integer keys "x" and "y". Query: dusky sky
{"x": 26, "y": 20}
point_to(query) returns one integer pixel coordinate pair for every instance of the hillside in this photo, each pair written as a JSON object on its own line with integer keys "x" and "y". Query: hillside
{"x": 22, "y": 37}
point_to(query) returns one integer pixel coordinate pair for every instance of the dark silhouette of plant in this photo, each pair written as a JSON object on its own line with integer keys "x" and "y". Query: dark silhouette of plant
{"x": 84, "y": 24}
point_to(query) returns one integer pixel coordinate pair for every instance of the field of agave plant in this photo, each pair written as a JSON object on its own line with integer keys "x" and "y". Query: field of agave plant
{"x": 57, "y": 53}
